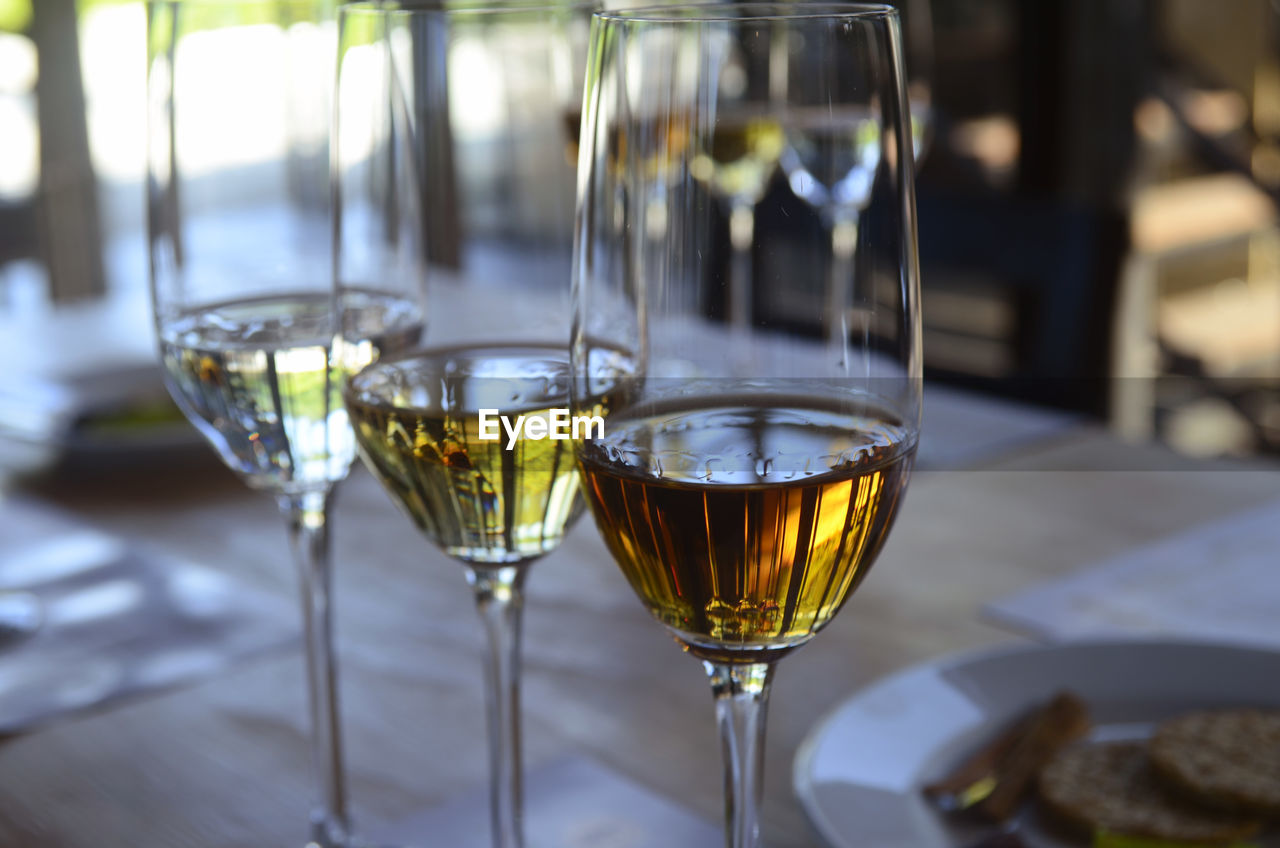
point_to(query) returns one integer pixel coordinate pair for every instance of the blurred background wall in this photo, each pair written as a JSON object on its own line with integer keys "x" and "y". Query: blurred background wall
{"x": 1097, "y": 204}
{"x": 1098, "y": 213}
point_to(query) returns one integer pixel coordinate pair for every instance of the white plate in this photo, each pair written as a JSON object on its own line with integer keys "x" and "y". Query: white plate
{"x": 859, "y": 772}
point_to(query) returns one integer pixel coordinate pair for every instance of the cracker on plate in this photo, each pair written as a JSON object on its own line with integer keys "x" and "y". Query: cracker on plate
{"x": 1111, "y": 787}
{"x": 1225, "y": 758}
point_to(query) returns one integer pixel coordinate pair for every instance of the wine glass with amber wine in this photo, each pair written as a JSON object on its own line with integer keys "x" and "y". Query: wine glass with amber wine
{"x": 748, "y": 476}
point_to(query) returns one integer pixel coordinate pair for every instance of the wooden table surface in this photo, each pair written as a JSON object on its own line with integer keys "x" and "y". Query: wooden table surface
{"x": 224, "y": 763}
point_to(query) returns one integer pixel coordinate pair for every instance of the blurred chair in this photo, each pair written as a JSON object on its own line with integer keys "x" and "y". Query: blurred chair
{"x": 1024, "y": 205}
{"x": 1022, "y": 292}
{"x": 1202, "y": 292}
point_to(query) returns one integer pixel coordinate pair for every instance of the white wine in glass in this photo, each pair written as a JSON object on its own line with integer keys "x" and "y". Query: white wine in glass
{"x": 253, "y": 375}
{"x": 484, "y": 501}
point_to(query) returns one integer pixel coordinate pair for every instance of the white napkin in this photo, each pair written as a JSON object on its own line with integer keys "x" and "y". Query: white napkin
{"x": 1218, "y": 581}
{"x": 575, "y": 803}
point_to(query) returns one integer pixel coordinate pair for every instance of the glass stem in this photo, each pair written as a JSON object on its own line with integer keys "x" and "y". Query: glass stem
{"x": 307, "y": 516}
{"x": 742, "y": 225}
{"x": 742, "y": 700}
{"x": 844, "y": 244}
{"x": 500, "y": 600}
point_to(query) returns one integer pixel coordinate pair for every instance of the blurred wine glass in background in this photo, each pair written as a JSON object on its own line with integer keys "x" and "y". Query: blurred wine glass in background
{"x": 739, "y": 160}
{"x": 832, "y": 154}
{"x": 240, "y": 248}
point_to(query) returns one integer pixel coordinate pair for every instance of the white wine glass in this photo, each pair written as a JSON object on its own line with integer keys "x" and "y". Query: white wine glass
{"x": 746, "y": 479}
{"x": 740, "y": 160}
{"x": 452, "y": 180}
{"x": 831, "y": 154}
{"x": 239, "y": 111}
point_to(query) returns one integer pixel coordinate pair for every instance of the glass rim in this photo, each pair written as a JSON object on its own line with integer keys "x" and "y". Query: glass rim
{"x": 442, "y": 8}
{"x": 721, "y": 11}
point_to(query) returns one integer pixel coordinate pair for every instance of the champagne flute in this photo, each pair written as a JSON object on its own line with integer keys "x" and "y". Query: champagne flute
{"x": 451, "y": 175}
{"x": 238, "y": 199}
{"x": 746, "y": 480}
